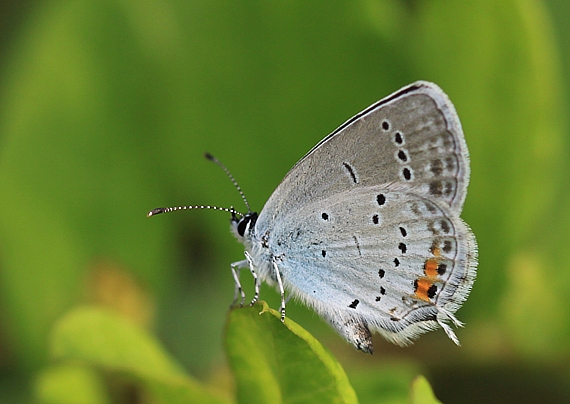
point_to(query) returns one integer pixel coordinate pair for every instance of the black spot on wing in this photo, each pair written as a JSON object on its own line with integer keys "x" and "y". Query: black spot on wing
{"x": 381, "y": 199}
{"x": 398, "y": 138}
{"x": 351, "y": 172}
{"x": 432, "y": 290}
{"x": 357, "y": 244}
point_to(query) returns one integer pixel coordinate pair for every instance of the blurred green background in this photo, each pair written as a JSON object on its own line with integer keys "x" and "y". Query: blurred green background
{"x": 106, "y": 109}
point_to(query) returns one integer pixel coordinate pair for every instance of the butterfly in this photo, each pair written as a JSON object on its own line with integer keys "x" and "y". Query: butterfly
{"x": 365, "y": 229}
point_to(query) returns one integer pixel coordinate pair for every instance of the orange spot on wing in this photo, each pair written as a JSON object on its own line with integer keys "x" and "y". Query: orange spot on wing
{"x": 430, "y": 268}
{"x": 422, "y": 287}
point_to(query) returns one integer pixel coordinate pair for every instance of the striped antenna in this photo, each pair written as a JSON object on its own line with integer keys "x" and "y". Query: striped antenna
{"x": 158, "y": 211}
{"x": 231, "y": 210}
{"x": 230, "y": 176}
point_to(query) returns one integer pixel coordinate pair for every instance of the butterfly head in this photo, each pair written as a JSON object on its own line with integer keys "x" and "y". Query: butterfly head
{"x": 242, "y": 226}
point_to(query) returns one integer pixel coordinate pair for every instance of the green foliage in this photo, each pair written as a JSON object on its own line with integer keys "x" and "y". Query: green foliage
{"x": 71, "y": 384}
{"x": 277, "y": 363}
{"x": 272, "y": 363}
{"x": 102, "y": 340}
{"x": 106, "y": 108}
{"x": 421, "y": 392}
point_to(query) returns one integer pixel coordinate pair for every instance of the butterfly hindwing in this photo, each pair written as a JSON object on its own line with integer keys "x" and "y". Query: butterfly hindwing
{"x": 390, "y": 264}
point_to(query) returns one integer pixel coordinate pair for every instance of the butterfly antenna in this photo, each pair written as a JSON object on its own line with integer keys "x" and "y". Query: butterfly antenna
{"x": 230, "y": 176}
{"x": 158, "y": 211}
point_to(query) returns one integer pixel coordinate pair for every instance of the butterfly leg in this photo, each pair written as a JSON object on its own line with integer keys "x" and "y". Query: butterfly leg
{"x": 257, "y": 283}
{"x": 236, "y": 268}
{"x": 281, "y": 290}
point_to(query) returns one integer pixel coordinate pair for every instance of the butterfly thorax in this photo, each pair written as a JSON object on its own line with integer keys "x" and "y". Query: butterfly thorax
{"x": 255, "y": 244}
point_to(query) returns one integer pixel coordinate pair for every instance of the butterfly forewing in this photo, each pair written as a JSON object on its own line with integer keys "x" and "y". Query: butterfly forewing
{"x": 415, "y": 140}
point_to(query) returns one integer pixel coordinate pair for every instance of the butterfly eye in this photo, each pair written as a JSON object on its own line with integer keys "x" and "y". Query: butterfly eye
{"x": 246, "y": 222}
{"x": 241, "y": 226}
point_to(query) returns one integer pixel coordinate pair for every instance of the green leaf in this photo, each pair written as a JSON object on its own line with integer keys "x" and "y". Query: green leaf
{"x": 71, "y": 384}
{"x": 102, "y": 339}
{"x": 421, "y": 392}
{"x": 277, "y": 362}
{"x": 384, "y": 381}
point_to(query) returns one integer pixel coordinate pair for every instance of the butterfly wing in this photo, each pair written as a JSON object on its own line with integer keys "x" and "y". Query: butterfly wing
{"x": 412, "y": 136}
{"x": 378, "y": 257}
{"x": 335, "y": 222}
